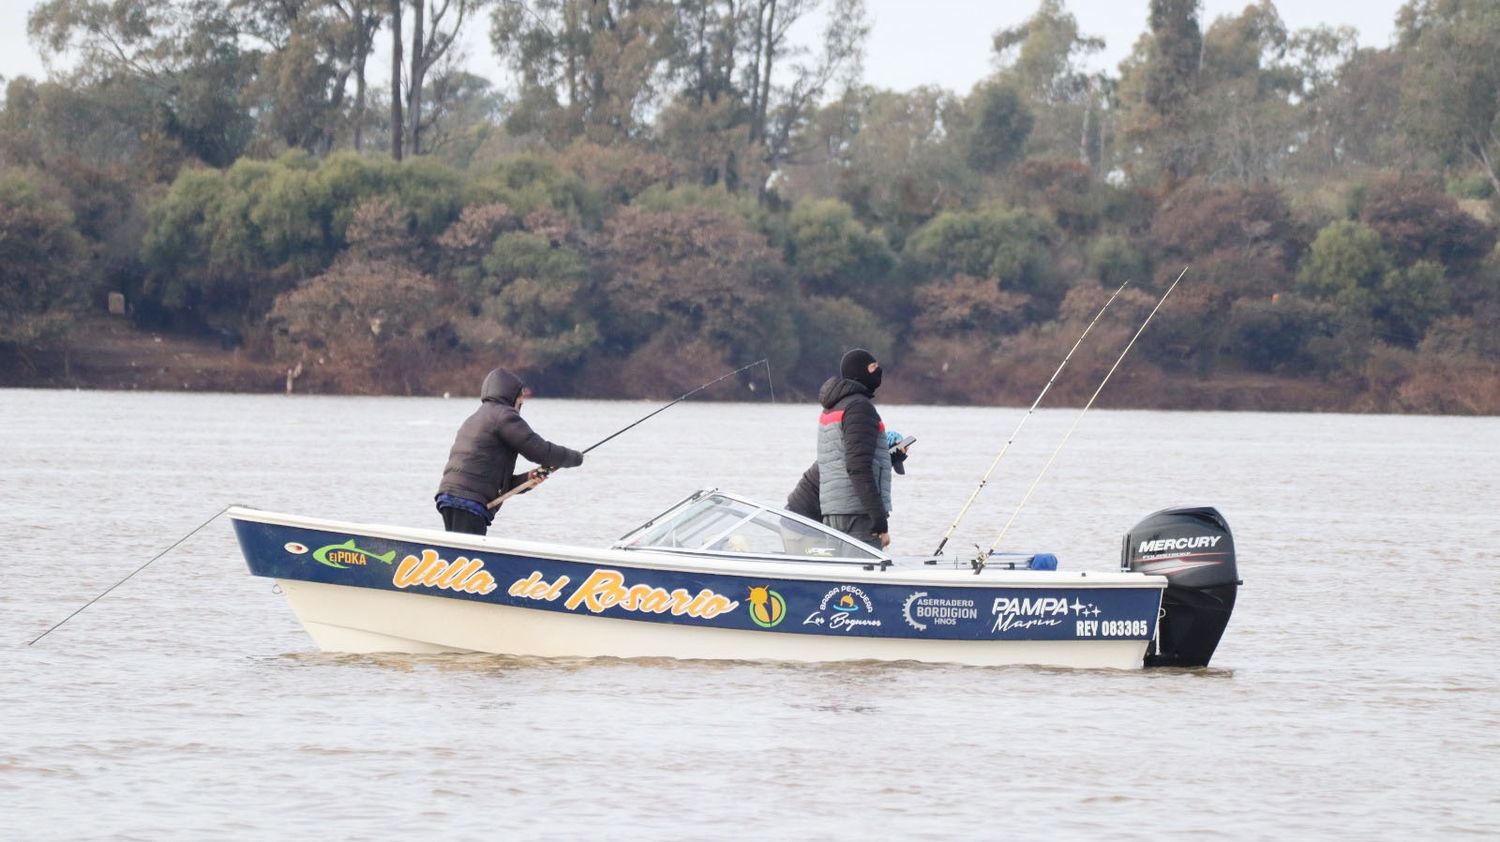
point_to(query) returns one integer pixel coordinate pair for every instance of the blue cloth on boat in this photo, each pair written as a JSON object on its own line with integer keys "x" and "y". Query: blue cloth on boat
{"x": 473, "y": 507}
{"x": 1043, "y": 561}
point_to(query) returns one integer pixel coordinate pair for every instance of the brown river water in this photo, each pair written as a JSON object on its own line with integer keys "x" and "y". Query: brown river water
{"x": 1355, "y": 694}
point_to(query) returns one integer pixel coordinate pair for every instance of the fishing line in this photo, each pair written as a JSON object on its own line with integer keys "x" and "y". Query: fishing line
{"x": 979, "y": 562}
{"x": 531, "y": 483}
{"x": 660, "y": 410}
{"x": 132, "y": 573}
{"x": 986, "y": 478}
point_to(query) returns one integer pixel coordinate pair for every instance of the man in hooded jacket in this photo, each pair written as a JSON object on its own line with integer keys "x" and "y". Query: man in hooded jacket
{"x": 854, "y": 463}
{"x": 483, "y": 457}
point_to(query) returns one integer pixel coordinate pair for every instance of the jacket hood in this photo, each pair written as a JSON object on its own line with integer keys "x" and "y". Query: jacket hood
{"x": 501, "y": 386}
{"x": 835, "y": 389}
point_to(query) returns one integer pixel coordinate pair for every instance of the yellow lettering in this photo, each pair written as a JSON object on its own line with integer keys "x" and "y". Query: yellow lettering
{"x": 480, "y": 582}
{"x": 657, "y": 601}
{"x": 521, "y": 587}
{"x": 535, "y": 587}
{"x": 598, "y": 592}
{"x": 716, "y": 605}
{"x": 604, "y": 589}
{"x": 458, "y": 570}
{"x": 411, "y": 568}
{"x": 460, "y": 575}
{"x": 635, "y": 597}
{"x": 405, "y": 572}
{"x": 451, "y": 569}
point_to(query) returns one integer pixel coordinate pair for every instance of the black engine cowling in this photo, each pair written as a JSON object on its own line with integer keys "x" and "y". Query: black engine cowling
{"x": 1194, "y": 550}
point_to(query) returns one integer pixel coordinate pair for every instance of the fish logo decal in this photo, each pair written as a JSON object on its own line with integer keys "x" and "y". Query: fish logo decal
{"x": 341, "y": 556}
{"x": 767, "y": 608}
{"x": 846, "y": 603}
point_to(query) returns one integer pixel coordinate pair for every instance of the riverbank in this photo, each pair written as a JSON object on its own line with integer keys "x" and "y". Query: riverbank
{"x": 106, "y": 353}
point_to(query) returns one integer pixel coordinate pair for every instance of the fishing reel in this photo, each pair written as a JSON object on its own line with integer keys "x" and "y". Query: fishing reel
{"x": 1011, "y": 561}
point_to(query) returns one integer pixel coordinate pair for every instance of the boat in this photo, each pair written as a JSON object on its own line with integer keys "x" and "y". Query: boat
{"x": 720, "y": 576}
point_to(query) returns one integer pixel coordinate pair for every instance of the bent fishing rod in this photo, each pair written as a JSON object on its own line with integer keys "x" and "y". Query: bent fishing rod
{"x": 980, "y": 562}
{"x": 544, "y": 471}
{"x": 1017, "y": 431}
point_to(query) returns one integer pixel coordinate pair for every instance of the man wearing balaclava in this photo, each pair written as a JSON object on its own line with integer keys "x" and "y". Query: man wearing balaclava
{"x": 484, "y": 454}
{"x": 854, "y": 463}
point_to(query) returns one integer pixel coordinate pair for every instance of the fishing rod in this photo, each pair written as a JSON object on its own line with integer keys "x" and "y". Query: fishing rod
{"x": 128, "y": 577}
{"x": 979, "y": 562}
{"x": 986, "y": 478}
{"x": 543, "y": 472}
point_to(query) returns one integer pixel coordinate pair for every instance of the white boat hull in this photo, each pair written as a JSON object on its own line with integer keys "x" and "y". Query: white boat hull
{"x": 362, "y": 620}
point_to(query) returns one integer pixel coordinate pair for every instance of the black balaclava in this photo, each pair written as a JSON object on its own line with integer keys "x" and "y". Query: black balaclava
{"x": 856, "y": 366}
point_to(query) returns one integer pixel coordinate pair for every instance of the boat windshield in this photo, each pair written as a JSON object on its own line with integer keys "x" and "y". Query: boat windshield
{"x": 716, "y": 522}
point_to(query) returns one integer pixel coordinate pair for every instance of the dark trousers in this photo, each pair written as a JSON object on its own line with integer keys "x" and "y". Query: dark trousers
{"x": 858, "y": 527}
{"x": 458, "y": 520}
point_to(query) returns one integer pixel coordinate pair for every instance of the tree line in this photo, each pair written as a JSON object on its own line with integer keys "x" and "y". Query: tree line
{"x": 662, "y": 189}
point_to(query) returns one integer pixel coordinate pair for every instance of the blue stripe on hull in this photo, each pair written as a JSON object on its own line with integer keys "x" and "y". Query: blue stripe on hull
{"x": 827, "y": 607}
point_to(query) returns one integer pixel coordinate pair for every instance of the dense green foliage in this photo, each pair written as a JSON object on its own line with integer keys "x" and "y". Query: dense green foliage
{"x": 674, "y": 187}
{"x": 40, "y": 254}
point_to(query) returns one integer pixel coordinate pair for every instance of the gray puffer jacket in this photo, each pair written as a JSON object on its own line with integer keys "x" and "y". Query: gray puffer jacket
{"x": 854, "y": 465}
{"x": 481, "y": 464}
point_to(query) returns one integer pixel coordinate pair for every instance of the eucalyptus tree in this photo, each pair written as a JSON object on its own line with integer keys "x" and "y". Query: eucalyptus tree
{"x": 314, "y": 50}
{"x": 1326, "y": 60}
{"x": 436, "y": 27}
{"x": 898, "y": 158}
{"x": 719, "y": 85}
{"x": 1247, "y": 103}
{"x": 1002, "y": 125}
{"x": 1043, "y": 61}
{"x": 1450, "y": 86}
{"x": 593, "y": 69}
{"x": 461, "y": 109}
{"x": 1158, "y": 84}
{"x": 1357, "y": 121}
{"x": 779, "y": 112}
{"x": 184, "y": 55}
{"x": 96, "y": 124}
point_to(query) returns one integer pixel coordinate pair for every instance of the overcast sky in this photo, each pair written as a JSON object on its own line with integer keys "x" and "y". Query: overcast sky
{"x": 913, "y": 42}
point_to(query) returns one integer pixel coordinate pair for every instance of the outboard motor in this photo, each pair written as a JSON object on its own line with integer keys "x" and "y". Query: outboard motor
{"x": 1193, "y": 549}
